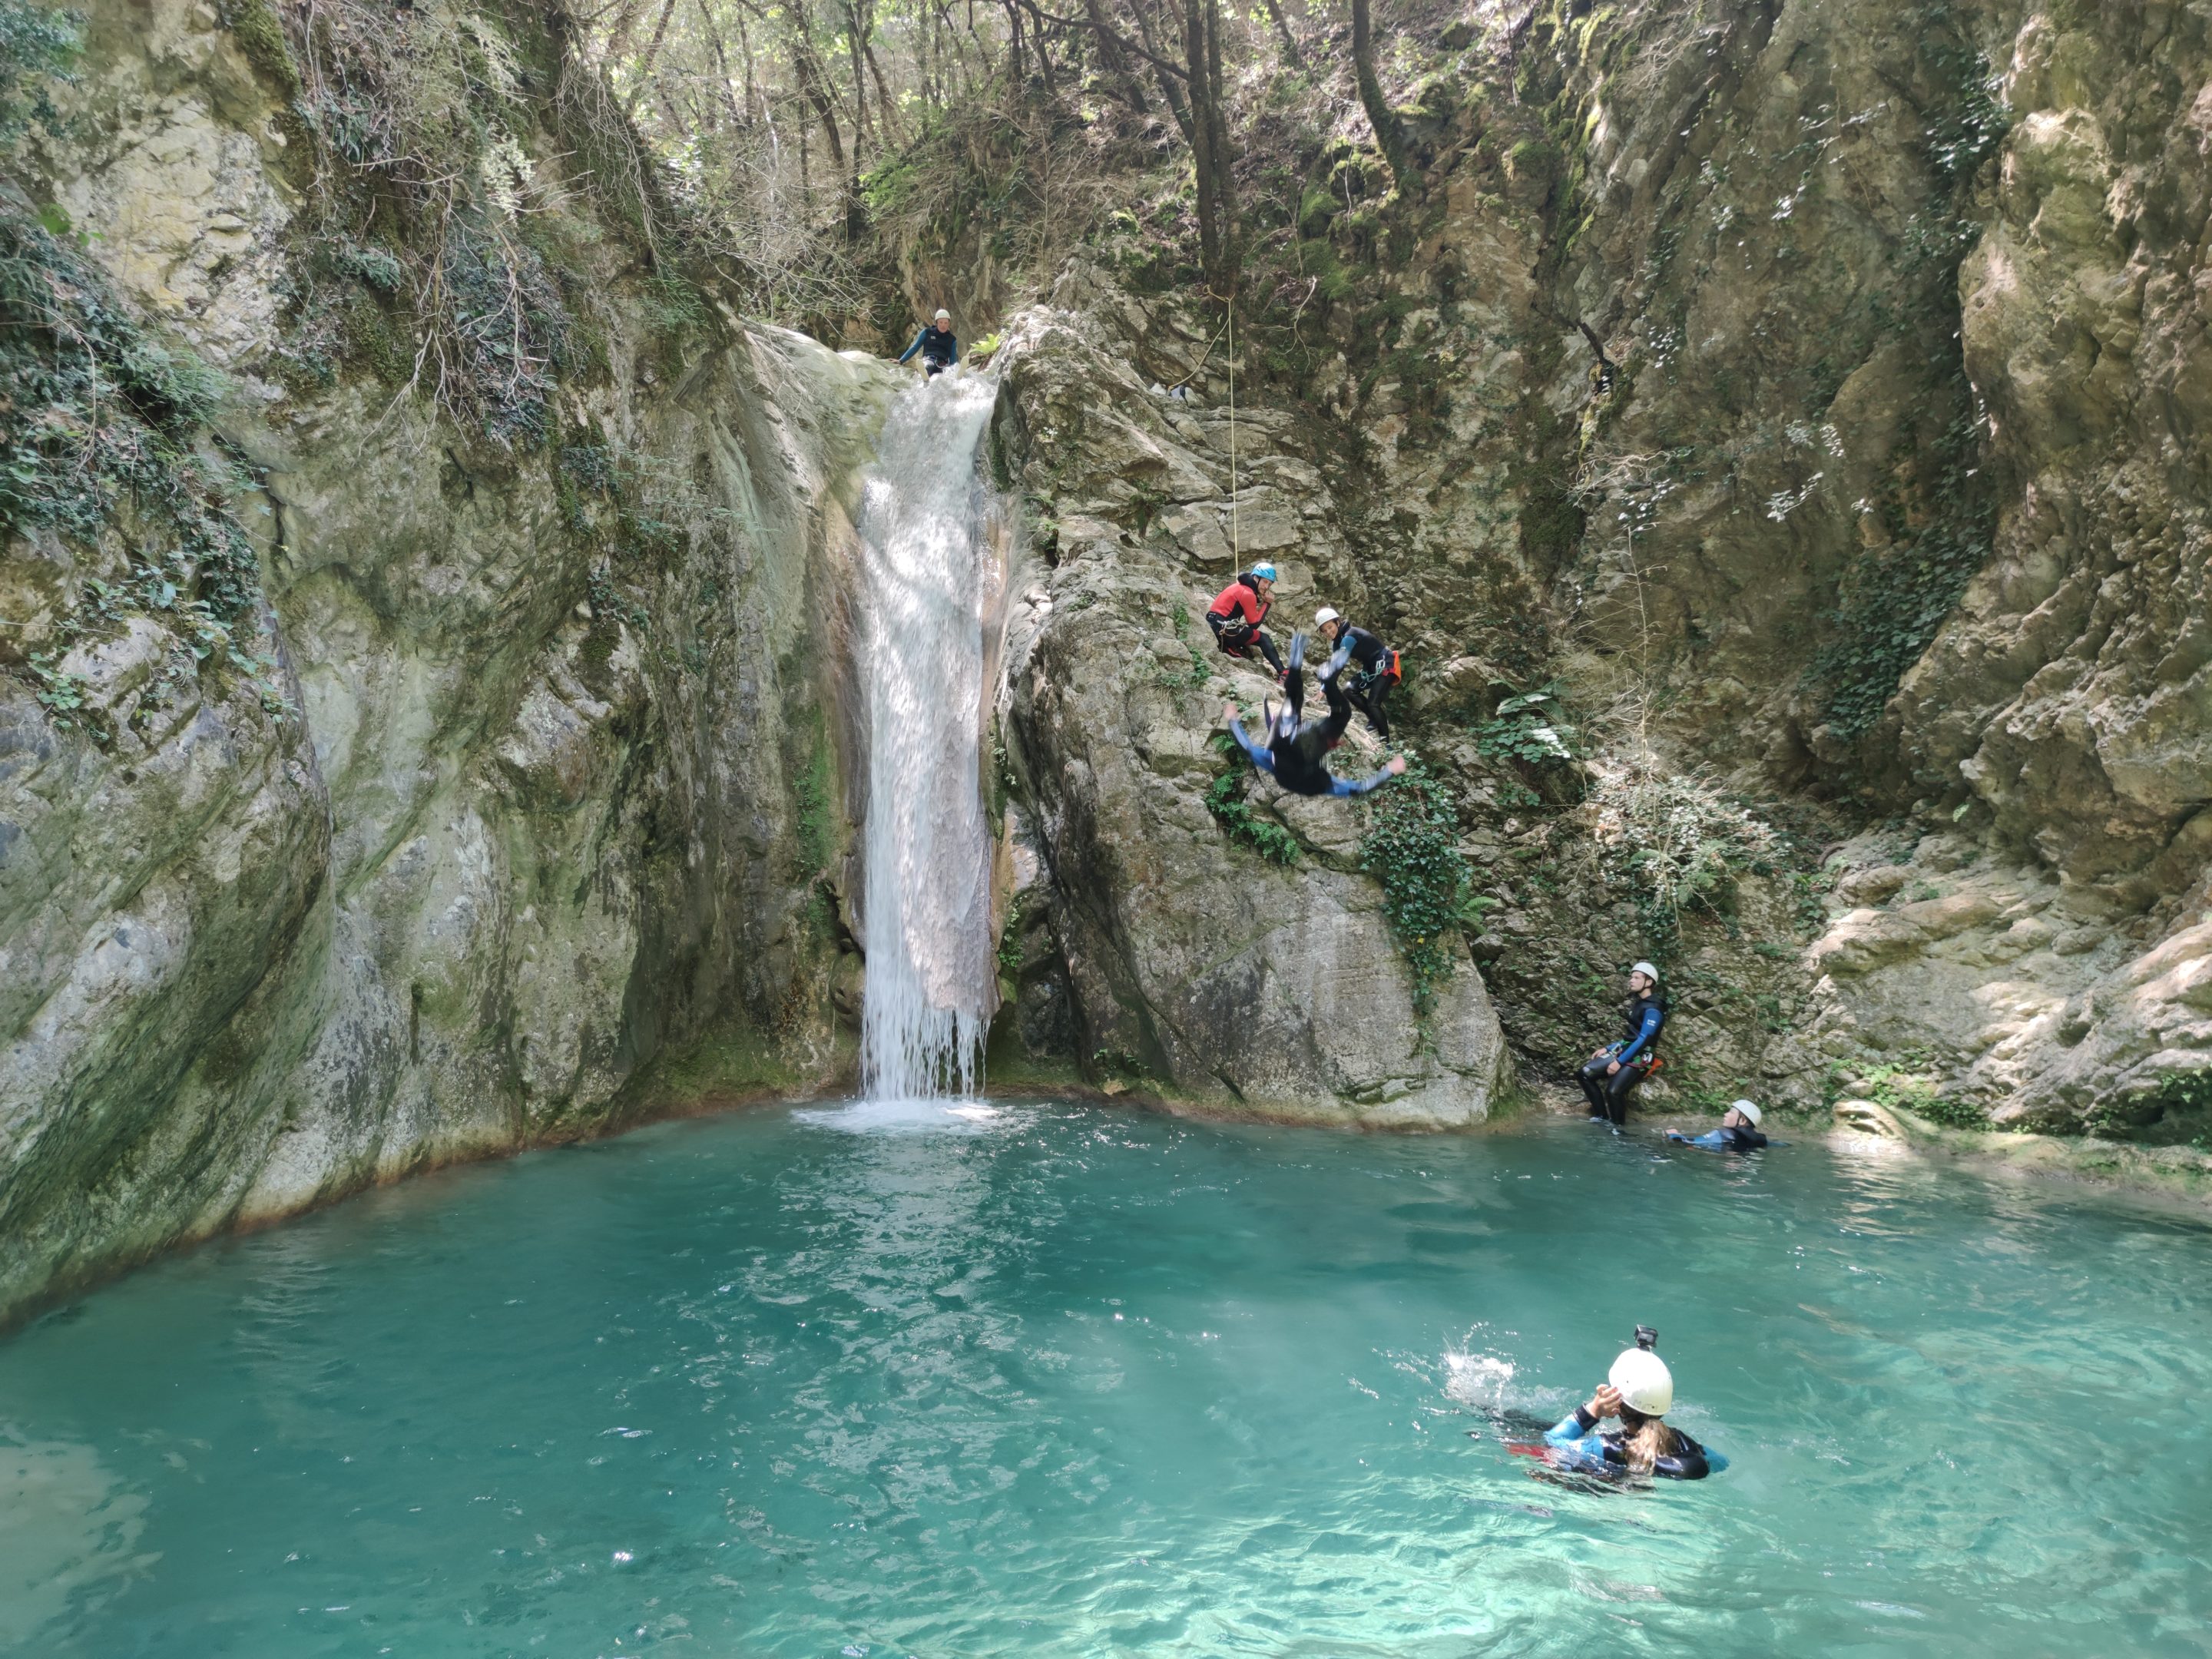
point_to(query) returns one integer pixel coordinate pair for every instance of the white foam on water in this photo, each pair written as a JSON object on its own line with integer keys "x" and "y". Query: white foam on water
{"x": 1478, "y": 1379}
{"x": 931, "y": 575}
{"x": 936, "y": 1116}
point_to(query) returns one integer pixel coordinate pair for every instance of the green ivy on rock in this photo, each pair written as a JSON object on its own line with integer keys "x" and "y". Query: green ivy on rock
{"x": 1412, "y": 847}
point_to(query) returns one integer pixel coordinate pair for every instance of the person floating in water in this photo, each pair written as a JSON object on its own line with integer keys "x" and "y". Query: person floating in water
{"x": 939, "y": 349}
{"x": 1608, "y": 1075}
{"x": 1739, "y": 1132}
{"x": 1238, "y": 610}
{"x": 1296, "y": 750}
{"x": 1375, "y": 667}
{"x": 1639, "y": 1390}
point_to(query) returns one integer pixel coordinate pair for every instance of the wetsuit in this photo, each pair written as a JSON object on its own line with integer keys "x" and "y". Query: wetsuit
{"x": 938, "y": 348}
{"x": 1609, "y": 1095}
{"x": 1730, "y": 1137}
{"x": 1297, "y": 752}
{"x": 1235, "y": 616}
{"x": 1371, "y": 684}
{"x": 1593, "y": 1453}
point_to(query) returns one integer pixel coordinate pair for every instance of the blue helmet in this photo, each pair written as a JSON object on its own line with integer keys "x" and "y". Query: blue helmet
{"x": 1263, "y": 572}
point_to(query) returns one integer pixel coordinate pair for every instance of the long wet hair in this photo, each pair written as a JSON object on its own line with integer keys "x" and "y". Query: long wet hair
{"x": 1646, "y": 1440}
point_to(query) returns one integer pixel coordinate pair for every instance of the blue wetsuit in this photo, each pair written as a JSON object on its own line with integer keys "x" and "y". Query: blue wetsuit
{"x": 1609, "y": 1095}
{"x": 1740, "y": 1139}
{"x": 939, "y": 349}
{"x": 1296, "y": 750}
{"x": 1581, "y": 1446}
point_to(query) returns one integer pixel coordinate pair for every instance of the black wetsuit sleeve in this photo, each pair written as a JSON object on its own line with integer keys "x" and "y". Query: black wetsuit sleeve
{"x": 1685, "y": 1462}
{"x": 1583, "y": 1421}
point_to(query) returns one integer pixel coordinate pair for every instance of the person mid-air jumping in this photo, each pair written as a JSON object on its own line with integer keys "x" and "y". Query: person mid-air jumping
{"x": 1297, "y": 751}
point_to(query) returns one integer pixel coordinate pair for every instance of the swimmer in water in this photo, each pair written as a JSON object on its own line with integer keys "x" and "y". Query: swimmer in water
{"x": 1639, "y": 1390}
{"x": 1739, "y": 1132}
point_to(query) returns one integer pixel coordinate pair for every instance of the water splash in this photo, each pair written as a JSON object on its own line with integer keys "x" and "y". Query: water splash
{"x": 931, "y": 576}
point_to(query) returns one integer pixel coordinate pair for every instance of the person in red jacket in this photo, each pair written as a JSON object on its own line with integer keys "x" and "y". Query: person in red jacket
{"x": 1238, "y": 610}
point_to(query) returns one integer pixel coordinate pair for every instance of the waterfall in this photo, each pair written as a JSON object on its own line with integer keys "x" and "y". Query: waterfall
{"x": 931, "y": 575}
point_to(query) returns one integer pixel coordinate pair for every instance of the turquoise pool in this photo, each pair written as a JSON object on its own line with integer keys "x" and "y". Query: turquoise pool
{"x": 1041, "y": 1379}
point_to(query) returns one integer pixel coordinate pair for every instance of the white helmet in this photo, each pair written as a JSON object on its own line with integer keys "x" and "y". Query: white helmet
{"x": 1749, "y": 1109}
{"x": 1325, "y": 616}
{"x": 1644, "y": 969}
{"x": 1645, "y": 1383}
{"x": 942, "y": 316}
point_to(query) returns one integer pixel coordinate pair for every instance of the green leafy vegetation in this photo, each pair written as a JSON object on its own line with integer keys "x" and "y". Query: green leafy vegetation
{"x": 1682, "y": 841}
{"x": 1894, "y": 599}
{"x": 1010, "y": 937}
{"x": 38, "y": 50}
{"x": 1531, "y": 728}
{"x": 1412, "y": 847}
{"x": 101, "y": 421}
{"x": 1909, "y": 1086}
{"x": 421, "y": 252}
{"x": 1224, "y": 799}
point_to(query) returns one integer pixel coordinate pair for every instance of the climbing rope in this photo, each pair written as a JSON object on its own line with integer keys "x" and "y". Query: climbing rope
{"x": 1236, "y": 536}
{"x": 1236, "y": 533}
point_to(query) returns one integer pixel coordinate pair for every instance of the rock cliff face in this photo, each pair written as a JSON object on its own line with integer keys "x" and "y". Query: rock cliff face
{"x": 1797, "y": 412}
{"x": 1774, "y": 430}
{"x": 1188, "y": 962}
{"x": 537, "y": 786}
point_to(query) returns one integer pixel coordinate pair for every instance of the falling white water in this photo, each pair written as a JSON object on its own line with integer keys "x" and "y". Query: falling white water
{"x": 931, "y": 575}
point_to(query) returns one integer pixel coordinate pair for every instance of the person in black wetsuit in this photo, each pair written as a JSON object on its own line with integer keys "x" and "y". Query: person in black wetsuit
{"x": 1296, "y": 750}
{"x": 1639, "y": 1391}
{"x": 1374, "y": 668}
{"x": 1608, "y": 1075}
{"x": 939, "y": 349}
{"x": 1739, "y": 1132}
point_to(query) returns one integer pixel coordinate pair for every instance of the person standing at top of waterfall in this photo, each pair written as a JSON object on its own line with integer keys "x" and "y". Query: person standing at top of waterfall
{"x": 939, "y": 349}
{"x": 1238, "y": 610}
{"x": 1374, "y": 667}
{"x": 1296, "y": 750}
{"x": 1608, "y": 1075}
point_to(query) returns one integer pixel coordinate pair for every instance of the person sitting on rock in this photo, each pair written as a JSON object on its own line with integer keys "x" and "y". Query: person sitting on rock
{"x": 1608, "y": 1075}
{"x": 1739, "y": 1132}
{"x": 1374, "y": 668}
{"x": 939, "y": 349}
{"x": 1238, "y": 610}
{"x": 1297, "y": 751}
{"x": 1639, "y": 1390}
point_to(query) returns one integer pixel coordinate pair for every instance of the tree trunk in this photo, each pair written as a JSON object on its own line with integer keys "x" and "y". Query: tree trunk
{"x": 1043, "y": 57}
{"x": 1389, "y": 135}
{"x": 1290, "y": 53}
{"x": 1201, "y": 136}
{"x": 1224, "y": 153}
{"x": 652, "y": 53}
{"x": 1169, "y": 91}
{"x": 1114, "y": 60}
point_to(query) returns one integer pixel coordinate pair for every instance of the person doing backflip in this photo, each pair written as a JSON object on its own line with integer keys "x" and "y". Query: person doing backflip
{"x": 1296, "y": 750}
{"x": 939, "y": 349}
{"x": 1238, "y": 610}
{"x": 1375, "y": 667}
{"x": 1608, "y": 1075}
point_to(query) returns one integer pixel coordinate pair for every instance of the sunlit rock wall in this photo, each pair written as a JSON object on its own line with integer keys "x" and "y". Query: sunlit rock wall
{"x": 533, "y": 812}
